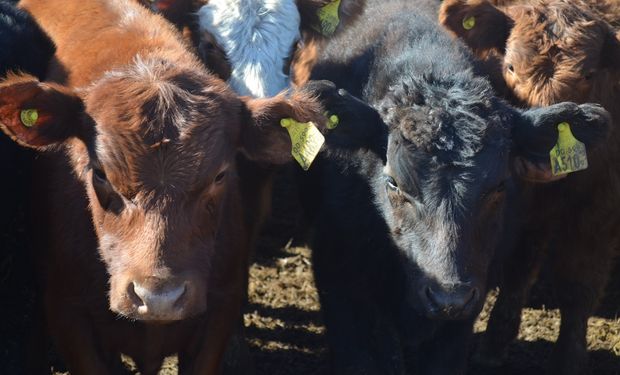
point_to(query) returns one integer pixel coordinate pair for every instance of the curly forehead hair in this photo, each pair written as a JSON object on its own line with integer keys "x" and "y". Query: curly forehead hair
{"x": 453, "y": 120}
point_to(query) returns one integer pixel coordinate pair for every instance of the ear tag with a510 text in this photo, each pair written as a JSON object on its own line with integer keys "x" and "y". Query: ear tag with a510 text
{"x": 568, "y": 155}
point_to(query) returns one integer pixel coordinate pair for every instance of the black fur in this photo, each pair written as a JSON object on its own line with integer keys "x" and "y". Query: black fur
{"x": 23, "y": 47}
{"x": 402, "y": 271}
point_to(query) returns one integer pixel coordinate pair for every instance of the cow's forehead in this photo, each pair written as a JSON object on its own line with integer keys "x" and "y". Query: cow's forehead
{"x": 162, "y": 130}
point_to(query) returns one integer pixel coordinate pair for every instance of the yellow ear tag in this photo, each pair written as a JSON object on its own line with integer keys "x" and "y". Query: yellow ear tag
{"x": 469, "y": 22}
{"x": 29, "y": 117}
{"x": 332, "y": 121}
{"x": 568, "y": 155}
{"x": 306, "y": 139}
{"x": 328, "y": 16}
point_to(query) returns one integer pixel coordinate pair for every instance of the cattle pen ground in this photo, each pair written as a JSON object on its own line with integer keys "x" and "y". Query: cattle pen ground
{"x": 283, "y": 319}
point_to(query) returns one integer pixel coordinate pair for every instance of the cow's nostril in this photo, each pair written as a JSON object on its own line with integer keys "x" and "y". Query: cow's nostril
{"x": 450, "y": 302}
{"x": 133, "y": 297}
{"x": 162, "y": 300}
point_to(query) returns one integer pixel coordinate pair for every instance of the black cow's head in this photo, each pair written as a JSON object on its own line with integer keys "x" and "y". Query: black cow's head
{"x": 452, "y": 152}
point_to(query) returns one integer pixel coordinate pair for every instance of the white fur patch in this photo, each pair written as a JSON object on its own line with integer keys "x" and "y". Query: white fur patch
{"x": 257, "y": 37}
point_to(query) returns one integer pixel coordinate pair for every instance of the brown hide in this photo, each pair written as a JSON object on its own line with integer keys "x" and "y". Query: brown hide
{"x": 138, "y": 200}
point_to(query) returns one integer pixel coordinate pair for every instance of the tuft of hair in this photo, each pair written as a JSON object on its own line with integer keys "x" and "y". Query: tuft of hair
{"x": 258, "y": 37}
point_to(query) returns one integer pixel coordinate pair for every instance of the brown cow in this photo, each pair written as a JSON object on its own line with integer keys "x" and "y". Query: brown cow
{"x": 138, "y": 197}
{"x": 552, "y": 51}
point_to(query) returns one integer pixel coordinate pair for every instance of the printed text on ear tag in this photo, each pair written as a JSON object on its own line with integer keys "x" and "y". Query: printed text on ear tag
{"x": 328, "y": 18}
{"x": 568, "y": 155}
{"x": 29, "y": 117}
{"x": 306, "y": 139}
{"x": 469, "y": 22}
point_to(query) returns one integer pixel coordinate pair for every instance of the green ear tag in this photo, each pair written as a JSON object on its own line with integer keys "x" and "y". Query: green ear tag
{"x": 332, "y": 121}
{"x": 29, "y": 117}
{"x": 328, "y": 17}
{"x": 469, "y": 22}
{"x": 568, "y": 155}
{"x": 306, "y": 139}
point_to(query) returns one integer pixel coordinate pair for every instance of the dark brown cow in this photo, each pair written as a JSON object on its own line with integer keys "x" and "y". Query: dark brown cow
{"x": 553, "y": 51}
{"x": 138, "y": 195}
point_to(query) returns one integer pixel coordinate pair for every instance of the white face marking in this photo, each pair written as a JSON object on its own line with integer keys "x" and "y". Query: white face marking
{"x": 257, "y": 37}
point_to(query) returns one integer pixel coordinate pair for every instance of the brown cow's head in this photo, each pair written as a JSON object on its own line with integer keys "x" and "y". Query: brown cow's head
{"x": 554, "y": 51}
{"x": 154, "y": 146}
{"x": 251, "y": 43}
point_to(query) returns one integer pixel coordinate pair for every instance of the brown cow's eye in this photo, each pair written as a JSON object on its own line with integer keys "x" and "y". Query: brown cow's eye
{"x": 220, "y": 177}
{"x": 99, "y": 176}
{"x": 510, "y": 68}
{"x": 104, "y": 191}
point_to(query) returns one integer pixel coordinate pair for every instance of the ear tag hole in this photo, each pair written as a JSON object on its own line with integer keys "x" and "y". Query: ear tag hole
{"x": 306, "y": 140}
{"x": 568, "y": 155}
{"x": 469, "y": 22}
{"x": 29, "y": 117}
{"x": 328, "y": 18}
{"x": 332, "y": 121}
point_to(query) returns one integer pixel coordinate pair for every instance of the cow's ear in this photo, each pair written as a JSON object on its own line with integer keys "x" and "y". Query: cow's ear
{"x": 610, "y": 57}
{"x": 263, "y": 138}
{"x": 322, "y": 19}
{"x": 38, "y": 115}
{"x": 478, "y": 23}
{"x": 536, "y": 133}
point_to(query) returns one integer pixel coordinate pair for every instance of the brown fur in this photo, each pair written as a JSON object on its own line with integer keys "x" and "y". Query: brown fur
{"x": 557, "y": 50}
{"x": 143, "y": 188}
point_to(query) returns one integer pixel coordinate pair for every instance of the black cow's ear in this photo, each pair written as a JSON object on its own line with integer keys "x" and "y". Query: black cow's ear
{"x": 263, "y": 137}
{"x": 482, "y": 26}
{"x": 353, "y": 126}
{"x": 536, "y": 133}
{"x": 324, "y": 18}
{"x": 38, "y": 115}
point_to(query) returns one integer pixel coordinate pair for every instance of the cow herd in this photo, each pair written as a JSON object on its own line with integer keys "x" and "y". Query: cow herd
{"x": 463, "y": 144}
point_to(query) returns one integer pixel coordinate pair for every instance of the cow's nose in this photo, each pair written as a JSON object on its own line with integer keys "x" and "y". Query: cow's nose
{"x": 158, "y": 300}
{"x": 453, "y": 302}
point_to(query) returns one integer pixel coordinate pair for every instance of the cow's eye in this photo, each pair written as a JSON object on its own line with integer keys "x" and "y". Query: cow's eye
{"x": 391, "y": 183}
{"x": 220, "y": 177}
{"x": 99, "y": 176}
{"x": 510, "y": 68}
{"x": 105, "y": 193}
{"x": 497, "y": 189}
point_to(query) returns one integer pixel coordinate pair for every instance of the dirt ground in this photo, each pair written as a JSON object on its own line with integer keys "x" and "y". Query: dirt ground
{"x": 283, "y": 318}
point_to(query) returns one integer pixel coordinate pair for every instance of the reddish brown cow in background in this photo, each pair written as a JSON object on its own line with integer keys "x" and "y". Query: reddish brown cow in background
{"x": 146, "y": 174}
{"x": 552, "y": 51}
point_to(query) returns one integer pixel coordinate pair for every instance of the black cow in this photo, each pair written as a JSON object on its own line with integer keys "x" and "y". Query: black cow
{"x": 23, "y": 47}
{"x": 410, "y": 201}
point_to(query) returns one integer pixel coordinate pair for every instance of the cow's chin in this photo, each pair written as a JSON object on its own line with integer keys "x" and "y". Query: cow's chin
{"x": 159, "y": 302}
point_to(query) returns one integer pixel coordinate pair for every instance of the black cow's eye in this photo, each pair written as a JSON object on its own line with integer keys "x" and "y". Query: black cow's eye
{"x": 498, "y": 189}
{"x": 510, "y": 68}
{"x": 220, "y": 177}
{"x": 391, "y": 183}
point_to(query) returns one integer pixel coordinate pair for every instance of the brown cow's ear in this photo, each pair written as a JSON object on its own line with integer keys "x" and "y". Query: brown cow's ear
{"x": 478, "y": 23}
{"x": 324, "y": 18}
{"x": 38, "y": 115}
{"x": 263, "y": 138}
{"x": 610, "y": 57}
